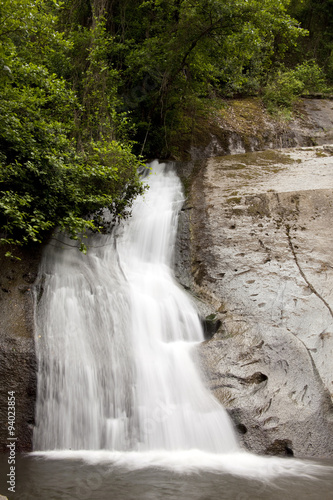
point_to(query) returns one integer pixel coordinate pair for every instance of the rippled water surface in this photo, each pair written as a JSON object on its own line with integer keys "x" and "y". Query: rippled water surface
{"x": 40, "y": 478}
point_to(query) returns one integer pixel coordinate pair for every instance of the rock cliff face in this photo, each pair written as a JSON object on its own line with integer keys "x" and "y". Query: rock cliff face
{"x": 17, "y": 352}
{"x": 261, "y": 257}
{"x": 244, "y": 125}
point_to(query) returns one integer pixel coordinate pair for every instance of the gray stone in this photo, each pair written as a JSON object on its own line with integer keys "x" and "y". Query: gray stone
{"x": 245, "y": 125}
{"x": 262, "y": 260}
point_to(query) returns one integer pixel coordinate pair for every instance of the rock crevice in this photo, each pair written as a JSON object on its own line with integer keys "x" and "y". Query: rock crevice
{"x": 312, "y": 288}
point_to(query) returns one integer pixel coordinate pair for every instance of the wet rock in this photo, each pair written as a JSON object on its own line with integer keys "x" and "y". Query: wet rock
{"x": 17, "y": 350}
{"x": 281, "y": 447}
{"x": 210, "y": 326}
{"x": 30, "y": 277}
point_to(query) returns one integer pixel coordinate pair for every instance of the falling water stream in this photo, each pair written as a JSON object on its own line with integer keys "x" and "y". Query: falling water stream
{"x": 117, "y": 383}
{"x": 115, "y": 333}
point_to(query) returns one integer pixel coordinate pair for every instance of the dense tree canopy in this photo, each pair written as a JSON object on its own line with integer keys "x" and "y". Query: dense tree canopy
{"x": 317, "y": 17}
{"x": 81, "y": 79}
{"x": 60, "y": 161}
{"x": 170, "y": 52}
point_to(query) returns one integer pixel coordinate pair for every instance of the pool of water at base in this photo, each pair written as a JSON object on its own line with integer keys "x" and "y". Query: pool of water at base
{"x": 41, "y": 478}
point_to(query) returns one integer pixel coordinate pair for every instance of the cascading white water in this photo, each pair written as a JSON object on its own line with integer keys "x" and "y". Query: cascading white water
{"x": 115, "y": 335}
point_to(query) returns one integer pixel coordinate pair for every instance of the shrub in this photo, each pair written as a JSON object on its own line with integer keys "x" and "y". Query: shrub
{"x": 286, "y": 86}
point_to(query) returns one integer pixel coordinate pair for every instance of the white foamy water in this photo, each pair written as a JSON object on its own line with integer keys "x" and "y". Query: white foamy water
{"x": 196, "y": 461}
{"x": 117, "y": 384}
{"x": 115, "y": 335}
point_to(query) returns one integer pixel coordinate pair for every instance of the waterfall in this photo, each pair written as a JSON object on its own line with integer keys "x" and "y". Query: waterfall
{"x": 116, "y": 338}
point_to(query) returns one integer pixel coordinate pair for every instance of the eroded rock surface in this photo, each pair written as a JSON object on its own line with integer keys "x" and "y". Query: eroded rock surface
{"x": 244, "y": 125}
{"x": 262, "y": 257}
{"x": 17, "y": 351}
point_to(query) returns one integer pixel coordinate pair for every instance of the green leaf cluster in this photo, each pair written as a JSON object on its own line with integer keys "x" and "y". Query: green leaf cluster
{"x": 287, "y": 85}
{"x": 60, "y": 162}
{"x": 317, "y": 17}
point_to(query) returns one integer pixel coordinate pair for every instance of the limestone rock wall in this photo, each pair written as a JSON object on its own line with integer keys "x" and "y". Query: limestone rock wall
{"x": 261, "y": 256}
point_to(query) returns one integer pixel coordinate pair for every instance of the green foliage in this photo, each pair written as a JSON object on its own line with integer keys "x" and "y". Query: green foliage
{"x": 82, "y": 80}
{"x": 286, "y": 86}
{"x": 317, "y": 17}
{"x": 172, "y": 53}
{"x": 312, "y": 77}
{"x": 59, "y": 161}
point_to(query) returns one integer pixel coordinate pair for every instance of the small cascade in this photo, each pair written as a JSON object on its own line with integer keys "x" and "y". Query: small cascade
{"x": 116, "y": 337}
